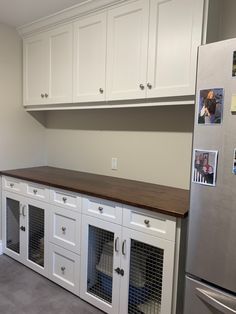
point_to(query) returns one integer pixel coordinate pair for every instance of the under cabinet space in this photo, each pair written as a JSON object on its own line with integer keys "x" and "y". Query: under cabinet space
{"x": 64, "y": 268}
{"x": 65, "y": 229}
{"x": 103, "y": 209}
{"x": 65, "y": 199}
{"x": 152, "y": 223}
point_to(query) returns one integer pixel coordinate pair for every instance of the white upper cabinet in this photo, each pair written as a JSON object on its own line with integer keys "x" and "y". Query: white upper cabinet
{"x": 48, "y": 67}
{"x": 35, "y": 68}
{"x": 127, "y": 44}
{"x": 60, "y": 65}
{"x": 90, "y": 58}
{"x": 175, "y": 33}
{"x": 137, "y": 49}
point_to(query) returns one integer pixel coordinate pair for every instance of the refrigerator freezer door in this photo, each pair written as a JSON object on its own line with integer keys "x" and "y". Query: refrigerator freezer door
{"x": 201, "y": 298}
{"x": 211, "y": 253}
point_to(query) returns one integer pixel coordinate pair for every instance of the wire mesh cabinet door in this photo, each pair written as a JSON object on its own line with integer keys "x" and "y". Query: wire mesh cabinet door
{"x": 11, "y": 225}
{"x": 148, "y": 264}
{"x": 100, "y": 263}
{"x": 36, "y": 250}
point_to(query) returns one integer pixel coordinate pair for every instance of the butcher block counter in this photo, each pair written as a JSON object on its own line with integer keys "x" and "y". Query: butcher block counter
{"x": 157, "y": 198}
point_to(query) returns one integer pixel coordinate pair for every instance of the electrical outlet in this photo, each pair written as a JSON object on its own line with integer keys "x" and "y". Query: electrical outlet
{"x": 114, "y": 163}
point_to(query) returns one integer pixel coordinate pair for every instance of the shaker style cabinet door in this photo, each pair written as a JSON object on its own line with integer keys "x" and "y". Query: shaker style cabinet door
{"x": 174, "y": 35}
{"x": 127, "y": 51}
{"x": 148, "y": 264}
{"x": 100, "y": 264}
{"x": 90, "y": 58}
{"x": 35, "y": 63}
{"x": 60, "y": 52}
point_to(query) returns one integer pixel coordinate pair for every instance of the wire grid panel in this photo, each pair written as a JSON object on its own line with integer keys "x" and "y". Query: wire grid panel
{"x": 13, "y": 225}
{"x": 100, "y": 263}
{"x": 36, "y": 235}
{"x": 145, "y": 279}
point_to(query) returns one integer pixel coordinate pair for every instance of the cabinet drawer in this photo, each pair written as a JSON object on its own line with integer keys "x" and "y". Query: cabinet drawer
{"x": 158, "y": 225}
{"x": 12, "y": 184}
{"x": 65, "y": 199}
{"x": 37, "y": 191}
{"x": 64, "y": 268}
{"x": 102, "y": 209}
{"x": 65, "y": 228}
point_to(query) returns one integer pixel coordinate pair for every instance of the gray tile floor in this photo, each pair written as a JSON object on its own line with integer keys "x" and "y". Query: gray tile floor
{"x": 22, "y": 291}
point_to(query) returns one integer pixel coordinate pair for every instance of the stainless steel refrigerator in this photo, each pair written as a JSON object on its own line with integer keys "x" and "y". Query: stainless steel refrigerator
{"x": 211, "y": 251}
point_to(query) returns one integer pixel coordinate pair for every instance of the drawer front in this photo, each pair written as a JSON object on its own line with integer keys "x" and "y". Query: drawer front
{"x": 65, "y": 228}
{"x": 64, "y": 268}
{"x": 65, "y": 199}
{"x": 37, "y": 191}
{"x": 158, "y": 225}
{"x": 12, "y": 184}
{"x": 102, "y": 209}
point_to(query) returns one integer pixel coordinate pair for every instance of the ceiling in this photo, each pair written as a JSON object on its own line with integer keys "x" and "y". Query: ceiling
{"x": 19, "y": 12}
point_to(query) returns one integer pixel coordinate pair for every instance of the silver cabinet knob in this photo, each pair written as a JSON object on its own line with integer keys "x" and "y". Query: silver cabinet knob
{"x": 12, "y": 185}
{"x": 42, "y": 95}
{"x": 46, "y": 95}
{"x": 147, "y": 222}
{"x": 35, "y": 191}
{"x": 63, "y": 229}
{"x": 149, "y": 85}
{"x": 100, "y": 208}
{"x": 64, "y": 199}
{"x": 141, "y": 86}
{"x": 101, "y": 90}
{"x": 63, "y": 269}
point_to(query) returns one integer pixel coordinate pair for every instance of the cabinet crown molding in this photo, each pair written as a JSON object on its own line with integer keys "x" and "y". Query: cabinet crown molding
{"x": 65, "y": 16}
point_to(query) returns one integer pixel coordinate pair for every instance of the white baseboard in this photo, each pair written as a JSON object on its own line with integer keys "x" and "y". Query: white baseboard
{"x": 1, "y": 248}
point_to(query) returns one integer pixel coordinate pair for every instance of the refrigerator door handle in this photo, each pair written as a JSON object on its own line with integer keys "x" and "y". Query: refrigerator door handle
{"x": 211, "y": 298}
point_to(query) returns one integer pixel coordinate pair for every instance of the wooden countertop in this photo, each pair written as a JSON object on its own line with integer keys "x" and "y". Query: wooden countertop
{"x": 157, "y": 198}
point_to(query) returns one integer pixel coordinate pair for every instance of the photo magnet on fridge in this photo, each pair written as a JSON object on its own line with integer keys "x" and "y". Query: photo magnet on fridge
{"x": 234, "y": 162}
{"x": 204, "y": 167}
{"x": 210, "y": 106}
{"x": 234, "y": 64}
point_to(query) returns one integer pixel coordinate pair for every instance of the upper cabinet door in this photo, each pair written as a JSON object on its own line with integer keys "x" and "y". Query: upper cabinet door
{"x": 90, "y": 58}
{"x": 59, "y": 70}
{"x": 127, "y": 51}
{"x": 174, "y": 35}
{"x": 35, "y": 64}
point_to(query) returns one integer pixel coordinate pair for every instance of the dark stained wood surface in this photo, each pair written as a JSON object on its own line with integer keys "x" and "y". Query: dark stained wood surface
{"x": 157, "y": 198}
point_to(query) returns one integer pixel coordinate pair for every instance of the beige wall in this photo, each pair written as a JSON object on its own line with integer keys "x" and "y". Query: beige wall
{"x": 151, "y": 144}
{"x": 22, "y": 138}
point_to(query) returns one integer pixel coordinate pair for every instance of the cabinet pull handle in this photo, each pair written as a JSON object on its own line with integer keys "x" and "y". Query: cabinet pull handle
{"x": 149, "y": 85}
{"x": 141, "y": 86}
{"x": 117, "y": 270}
{"x": 122, "y": 272}
{"x": 42, "y": 95}
{"x": 100, "y": 208}
{"x": 116, "y": 244}
{"x": 63, "y": 229}
{"x": 64, "y": 199}
{"x": 35, "y": 191}
{"x": 147, "y": 222}
{"x": 46, "y": 95}
{"x": 101, "y": 90}
{"x": 12, "y": 185}
{"x": 124, "y": 247}
{"x": 23, "y": 210}
{"x": 63, "y": 269}
{"x": 22, "y": 228}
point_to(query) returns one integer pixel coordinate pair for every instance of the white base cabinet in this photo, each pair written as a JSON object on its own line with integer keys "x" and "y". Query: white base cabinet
{"x": 124, "y": 270}
{"x": 121, "y": 259}
{"x": 25, "y": 223}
